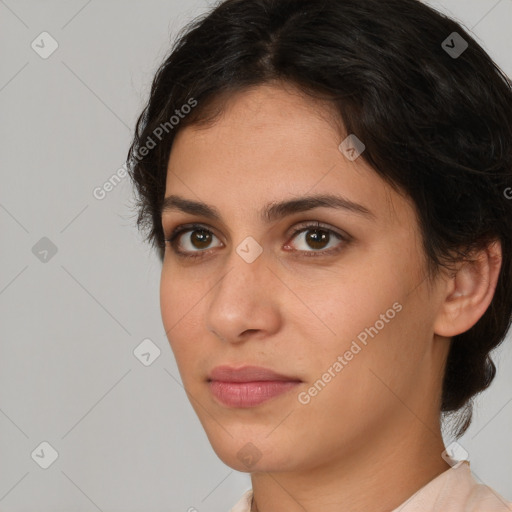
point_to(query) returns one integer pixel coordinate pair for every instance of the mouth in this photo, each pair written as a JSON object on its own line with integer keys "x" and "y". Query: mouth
{"x": 248, "y": 386}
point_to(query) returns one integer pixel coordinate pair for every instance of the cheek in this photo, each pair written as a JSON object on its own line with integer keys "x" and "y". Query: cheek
{"x": 353, "y": 379}
{"x": 179, "y": 299}
{"x": 179, "y": 294}
{"x": 372, "y": 316}
{"x": 382, "y": 341}
{"x": 169, "y": 305}
{"x": 353, "y": 304}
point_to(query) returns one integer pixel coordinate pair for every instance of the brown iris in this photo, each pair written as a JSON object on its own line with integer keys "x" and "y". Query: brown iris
{"x": 318, "y": 239}
{"x": 202, "y": 237}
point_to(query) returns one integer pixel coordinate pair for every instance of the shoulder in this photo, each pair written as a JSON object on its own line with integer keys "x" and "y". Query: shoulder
{"x": 244, "y": 503}
{"x": 455, "y": 490}
{"x": 462, "y": 493}
{"x": 484, "y": 499}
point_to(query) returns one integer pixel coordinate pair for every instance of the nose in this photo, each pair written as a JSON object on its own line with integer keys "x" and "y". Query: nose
{"x": 244, "y": 302}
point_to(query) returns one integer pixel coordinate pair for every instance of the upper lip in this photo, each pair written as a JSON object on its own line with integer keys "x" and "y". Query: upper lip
{"x": 247, "y": 374}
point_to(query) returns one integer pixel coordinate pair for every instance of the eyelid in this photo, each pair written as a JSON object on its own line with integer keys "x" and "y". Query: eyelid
{"x": 311, "y": 224}
{"x": 302, "y": 226}
{"x": 192, "y": 226}
{"x": 292, "y": 231}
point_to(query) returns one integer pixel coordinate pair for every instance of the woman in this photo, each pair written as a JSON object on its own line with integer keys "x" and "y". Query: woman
{"x": 325, "y": 182}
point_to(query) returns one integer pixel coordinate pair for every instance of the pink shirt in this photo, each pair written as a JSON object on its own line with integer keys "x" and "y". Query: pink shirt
{"x": 455, "y": 490}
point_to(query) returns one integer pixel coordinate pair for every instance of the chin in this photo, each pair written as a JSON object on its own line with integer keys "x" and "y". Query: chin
{"x": 254, "y": 453}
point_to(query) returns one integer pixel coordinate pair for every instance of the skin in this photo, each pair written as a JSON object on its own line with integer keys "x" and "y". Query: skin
{"x": 371, "y": 438}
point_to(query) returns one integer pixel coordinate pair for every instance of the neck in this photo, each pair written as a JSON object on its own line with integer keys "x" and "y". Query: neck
{"x": 379, "y": 476}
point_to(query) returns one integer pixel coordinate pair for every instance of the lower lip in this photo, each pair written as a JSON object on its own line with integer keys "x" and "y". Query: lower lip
{"x": 249, "y": 394}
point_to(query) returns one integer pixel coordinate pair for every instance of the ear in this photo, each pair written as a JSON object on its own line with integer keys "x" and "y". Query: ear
{"x": 469, "y": 292}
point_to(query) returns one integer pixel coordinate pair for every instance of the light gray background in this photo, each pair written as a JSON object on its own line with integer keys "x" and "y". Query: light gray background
{"x": 126, "y": 436}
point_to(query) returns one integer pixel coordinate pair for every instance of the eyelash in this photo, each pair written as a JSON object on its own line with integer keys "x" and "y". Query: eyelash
{"x": 179, "y": 230}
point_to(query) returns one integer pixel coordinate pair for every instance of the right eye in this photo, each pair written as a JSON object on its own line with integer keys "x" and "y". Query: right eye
{"x": 192, "y": 246}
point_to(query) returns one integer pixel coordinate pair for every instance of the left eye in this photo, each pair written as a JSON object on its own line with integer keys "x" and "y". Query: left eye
{"x": 317, "y": 238}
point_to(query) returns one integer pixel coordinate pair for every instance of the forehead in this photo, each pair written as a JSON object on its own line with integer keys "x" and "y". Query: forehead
{"x": 272, "y": 143}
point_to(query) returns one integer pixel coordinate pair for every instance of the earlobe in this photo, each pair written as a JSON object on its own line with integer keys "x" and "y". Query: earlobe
{"x": 469, "y": 291}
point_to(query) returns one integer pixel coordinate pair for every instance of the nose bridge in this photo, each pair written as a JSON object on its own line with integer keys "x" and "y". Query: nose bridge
{"x": 241, "y": 300}
{"x": 246, "y": 266}
{"x": 239, "y": 284}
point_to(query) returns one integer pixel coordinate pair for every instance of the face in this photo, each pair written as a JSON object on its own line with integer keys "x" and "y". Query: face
{"x": 332, "y": 296}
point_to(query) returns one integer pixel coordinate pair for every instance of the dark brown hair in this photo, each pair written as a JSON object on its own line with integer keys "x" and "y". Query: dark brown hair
{"x": 437, "y": 126}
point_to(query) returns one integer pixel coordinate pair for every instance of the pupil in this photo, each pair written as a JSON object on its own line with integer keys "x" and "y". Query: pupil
{"x": 315, "y": 240}
{"x": 203, "y": 238}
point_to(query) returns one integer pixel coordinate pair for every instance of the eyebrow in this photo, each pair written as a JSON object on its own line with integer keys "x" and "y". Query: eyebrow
{"x": 272, "y": 211}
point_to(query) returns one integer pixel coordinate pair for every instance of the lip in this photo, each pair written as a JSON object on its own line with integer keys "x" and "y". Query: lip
{"x": 247, "y": 374}
{"x": 248, "y": 386}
